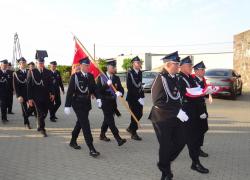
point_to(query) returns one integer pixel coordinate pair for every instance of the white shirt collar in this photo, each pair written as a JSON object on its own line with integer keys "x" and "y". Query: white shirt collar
{"x": 137, "y": 71}
{"x": 84, "y": 74}
{"x": 109, "y": 75}
{"x": 172, "y": 75}
{"x": 23, "y": 70}
{"x": 201, "y": 79}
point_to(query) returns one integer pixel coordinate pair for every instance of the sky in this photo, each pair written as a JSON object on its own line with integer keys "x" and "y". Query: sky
{"x": 120, "y": 26}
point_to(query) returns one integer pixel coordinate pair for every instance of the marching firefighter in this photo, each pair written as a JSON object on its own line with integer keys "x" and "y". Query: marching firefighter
{"x": 135, "y": 96}
{"x": 40, "y": 90}
{"x": 109, "y": 98}
{"x": 167, "y": 117}
{"x": 58, "y": 84}
{"x": 192, "y": 107}
{"x": 20, "y": 86}
{"x": 81, "y": 87}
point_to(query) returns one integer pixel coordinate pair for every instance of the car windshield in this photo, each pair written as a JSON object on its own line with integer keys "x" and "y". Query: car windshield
{"x": 217, "y": 73}
{"x": 148, "y": 75}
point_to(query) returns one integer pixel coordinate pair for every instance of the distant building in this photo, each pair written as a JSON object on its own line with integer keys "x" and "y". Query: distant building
{"x": 242, "y": 56}
{"x": 212, "y": 60}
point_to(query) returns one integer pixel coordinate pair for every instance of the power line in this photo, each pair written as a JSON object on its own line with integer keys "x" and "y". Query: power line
{"x": 174, "y": 45}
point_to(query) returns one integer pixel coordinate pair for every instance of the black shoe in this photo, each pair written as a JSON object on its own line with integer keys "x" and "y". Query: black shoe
{"x": 28, "y": 126}
{"x": 197, "y": 166}
{"x": 5, "y": 120}
{"x": 129, "y": 130}
{"x": 121, "y": 141}
{"x": 74, "y": 145}
{"x": 56, "y": 117}
{"x": 38, "y": 129}
{"x": 43, "y": 132}
{"x": 11, "y": 113}
{"x": 136, "y": 137}
{"x": 94, "y": 153}
{"x": 203, "y": 154}
{"x": 103, "y": 137}
{"x": 167, "y": 177}
{"x": 53, "y": 119}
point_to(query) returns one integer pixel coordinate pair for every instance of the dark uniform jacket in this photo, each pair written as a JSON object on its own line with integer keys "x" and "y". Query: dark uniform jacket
{"x": 80, "y": 90}
{"x": 57, "y": 81}
{"x": 202, "y": 84}
{"x": 4, "y": 84}
{"x": 134, "y": 86}
{"x": 39, "y": 85}
{"x": 107, "y": 95}
{"x": 10, "y": 82}
{"x": 20, "y": 83}
{"x": 166, "y": 99}
{"x": 190, "y": 105}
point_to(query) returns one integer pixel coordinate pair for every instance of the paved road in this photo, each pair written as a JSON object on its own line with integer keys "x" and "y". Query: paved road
{"x": 25, "y": 155}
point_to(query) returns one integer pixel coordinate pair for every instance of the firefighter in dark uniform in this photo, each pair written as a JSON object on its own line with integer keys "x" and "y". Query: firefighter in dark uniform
{"x": 40, "y": 90}
{"x": 10, "y": 92}
{"x": 167, "y": 116}
{"x": 135, "y": 96}
{"x": 31, "y": 65}
{"x": 109, "y": 98}
{"x": 81, "y": 87}
{"x": 57, "y": 82}
{"x": 31, "y": 110}
{"x": 4, "y": 88}
{"x": 192, "y": 107}
{"x": 199, "y": 70}
{"x": 20, "y": 87}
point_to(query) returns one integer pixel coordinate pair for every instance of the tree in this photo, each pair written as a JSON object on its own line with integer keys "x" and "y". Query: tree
{"x": 102, "y": 64}
{"x": 127, "y": 64}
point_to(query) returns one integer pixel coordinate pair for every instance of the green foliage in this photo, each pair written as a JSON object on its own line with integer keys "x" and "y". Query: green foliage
{"x": 102, "y": 64}
{"x": 65, "y": 72}
{"x": 126, "y": 64}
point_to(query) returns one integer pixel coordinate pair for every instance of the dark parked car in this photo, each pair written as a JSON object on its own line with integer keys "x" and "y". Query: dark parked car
{"x": 148, "y": 79}
{"x": 227, "y": 79}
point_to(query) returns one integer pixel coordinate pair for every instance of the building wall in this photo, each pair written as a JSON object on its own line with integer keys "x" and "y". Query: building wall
{"x": 241, "y": 59}
{"x": 213, "y": 60}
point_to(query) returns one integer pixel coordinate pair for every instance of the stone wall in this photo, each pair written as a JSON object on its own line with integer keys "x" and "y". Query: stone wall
{"x": 242, "y": 57}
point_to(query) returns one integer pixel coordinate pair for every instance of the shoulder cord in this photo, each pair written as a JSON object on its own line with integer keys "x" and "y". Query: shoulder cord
{"x": 22, "y": 82}
{"x": 37, "y": 83}
{"x": 187, "y": 83}
{"x": 3, "y": 81}
{"x": 167, "y": 91}
{"x": 77, "y": 85}
{"x": 133, "y": 81}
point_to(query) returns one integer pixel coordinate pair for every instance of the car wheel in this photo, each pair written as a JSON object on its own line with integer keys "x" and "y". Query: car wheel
{"x": 233, "y": 95}
{"x": 240, "y": 91}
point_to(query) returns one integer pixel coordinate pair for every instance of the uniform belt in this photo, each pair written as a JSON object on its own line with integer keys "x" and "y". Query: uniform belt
{"x": 109, "y": 97}
{"x": 82, "y": 96}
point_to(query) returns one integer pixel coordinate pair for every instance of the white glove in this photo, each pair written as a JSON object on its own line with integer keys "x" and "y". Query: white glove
{"x": 118, "y": 93}
{"x": 209, "y": 90}
{"x": 203, "y": 116}
{"x": 67, "y": 110}
{"x": 141, "y": 101}
{"x": 182, "y": 116}
{"x": 109, "y": 82}
{"x": 212, "y": 89}
{"x": 20, "y": 99}
{"x": 99, "y": 103}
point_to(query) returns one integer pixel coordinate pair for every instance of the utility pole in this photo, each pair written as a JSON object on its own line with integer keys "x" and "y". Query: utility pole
{"x": 94, "y": 51}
